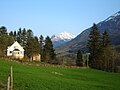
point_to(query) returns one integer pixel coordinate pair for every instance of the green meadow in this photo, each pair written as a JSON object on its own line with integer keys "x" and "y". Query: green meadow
{"x": 28, "y": 77}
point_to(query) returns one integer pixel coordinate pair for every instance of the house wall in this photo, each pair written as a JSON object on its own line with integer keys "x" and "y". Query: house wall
{"x": 11, "y": 51}
{"x": 36, "y": 57}
{"x": 18, "y": 54}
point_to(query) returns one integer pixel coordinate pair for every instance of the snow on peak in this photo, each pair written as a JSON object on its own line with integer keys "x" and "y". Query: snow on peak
{"x": 113, "y": 16}
{"x": 116, "y": 14}
{"x": 62, "y": 36}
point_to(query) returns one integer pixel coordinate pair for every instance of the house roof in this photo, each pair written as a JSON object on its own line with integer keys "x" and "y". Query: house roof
{"x": 14, "y": 46}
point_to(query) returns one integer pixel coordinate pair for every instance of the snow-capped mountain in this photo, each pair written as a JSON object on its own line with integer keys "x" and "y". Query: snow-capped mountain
{"x": 113, "y": 17}
{"x": 61, "y": 38}
{"x": 111, "y": 24}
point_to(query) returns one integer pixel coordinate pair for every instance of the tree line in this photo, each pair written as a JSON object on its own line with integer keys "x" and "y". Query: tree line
{"x": 102, "y": 56}
{"x": 32, "y": 44}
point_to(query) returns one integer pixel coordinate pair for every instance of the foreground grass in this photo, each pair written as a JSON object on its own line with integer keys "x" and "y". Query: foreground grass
{"x": 47, "y": 78}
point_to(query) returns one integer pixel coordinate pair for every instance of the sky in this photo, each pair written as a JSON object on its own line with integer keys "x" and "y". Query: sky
{"x": 48, "y": 17}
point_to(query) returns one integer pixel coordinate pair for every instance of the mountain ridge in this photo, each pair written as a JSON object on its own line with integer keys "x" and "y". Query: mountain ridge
{"x": 112, "y": 24}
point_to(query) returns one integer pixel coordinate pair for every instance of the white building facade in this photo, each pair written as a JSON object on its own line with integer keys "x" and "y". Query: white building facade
{"x": 15, "y": 51}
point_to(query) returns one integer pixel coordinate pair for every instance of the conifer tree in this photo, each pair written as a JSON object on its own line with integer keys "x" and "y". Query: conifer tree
{"x": 79, "y": 60}
{"x": 94, "y": 45}
{"x": 15, "y": 35}
{"x": 32, "y": 47}
{"x": 19, "y": 36}
{"x": 29, "y": 33}
{"x": 5, "y": 41}
{"x": 105, "y": 39}
{"x": 3, "y": 30}
{"x": 108, "y": 55}
{"x": 41, "y": 44}
{"x": 48, "y": 51}
{"x": 11, "y": 33}
{"x": 37, "y": 45}
{"x": 24, "y": 37}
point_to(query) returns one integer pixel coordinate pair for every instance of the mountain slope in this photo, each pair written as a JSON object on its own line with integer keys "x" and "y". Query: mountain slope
{"x": 112, "y": 24}
{"x": 61, "y": 38}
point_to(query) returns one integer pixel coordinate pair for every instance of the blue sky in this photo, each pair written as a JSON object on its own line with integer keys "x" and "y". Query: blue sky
{"x": 48, "y": 17}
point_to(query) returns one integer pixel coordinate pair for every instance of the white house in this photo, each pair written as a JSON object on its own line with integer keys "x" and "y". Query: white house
{"x": 15, "y": 50}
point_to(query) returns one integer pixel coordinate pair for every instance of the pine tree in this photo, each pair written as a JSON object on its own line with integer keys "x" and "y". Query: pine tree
{"x": 37, "y": 45}
{"x": 48, "y": 52}
{"x": 3, "y": 30}
{"x": 79, "y": 60}
{"x": 15, "y": 35}
{"x": 108, "y": 55}
{"x": 19, "y": 36}
{"x": 29, "y": 33}
{"x": 105, "y": 39}
{"x": 5, "y": 41}
{"x": 24, "y": 37}
{"x": 32, "y": 47}
{"x": 94, "y": 45}
{"x": 41, "y": 44}
{"x": 11, "y": 33}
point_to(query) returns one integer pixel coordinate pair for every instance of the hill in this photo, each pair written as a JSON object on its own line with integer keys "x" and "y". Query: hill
{"x": 48, "y": 78}
{"x": 112, "y": 24}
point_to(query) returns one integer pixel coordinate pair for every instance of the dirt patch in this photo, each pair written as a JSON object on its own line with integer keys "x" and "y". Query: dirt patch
{"x": 56, "y": 73}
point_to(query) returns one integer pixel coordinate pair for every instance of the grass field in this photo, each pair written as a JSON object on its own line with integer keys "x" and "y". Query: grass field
{"x": 48, "y": 78}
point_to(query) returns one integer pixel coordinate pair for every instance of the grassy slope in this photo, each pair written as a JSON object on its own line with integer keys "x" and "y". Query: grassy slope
{"x": 42, "y": 78}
